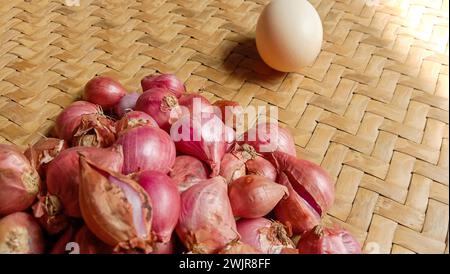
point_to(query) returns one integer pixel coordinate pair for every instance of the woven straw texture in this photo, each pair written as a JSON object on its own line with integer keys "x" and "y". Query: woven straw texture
{"x": 372, "y": 109}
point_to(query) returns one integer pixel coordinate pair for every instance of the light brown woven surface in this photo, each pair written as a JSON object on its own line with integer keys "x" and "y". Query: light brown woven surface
{"x": 372, "y": 110}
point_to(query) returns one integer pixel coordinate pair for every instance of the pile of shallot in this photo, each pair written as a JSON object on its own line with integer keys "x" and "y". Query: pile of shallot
{"x": 163, "y": 171}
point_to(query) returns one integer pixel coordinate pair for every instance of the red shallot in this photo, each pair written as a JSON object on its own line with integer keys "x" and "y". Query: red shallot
{"x": 161, "y": 105}
{"x": 166, "y": 81}
{"x": 126, "y": 104}
{"x": 324, "y": 240}
{"x": 206, "y": 223}
{"x": 202, "y": 137}
{"x": 115, "y": 208}
{"x": 187, "y": 171}
{"x": 95, "y": 130}
{"x": 146, "y": 148}
{"x": 166, "y": 202}
{"x": 20, "y": 234}
{"x": 63, "y": 173}
{"x": 311, "y": 191}
{"x": 19, "y": 181}
{"x": 266, "y": 236}
{"x": 269, "y": 137}
{"x": 103, "y": 91}
{"x": 70, "y": 118}
{"x": 254, "y": 196}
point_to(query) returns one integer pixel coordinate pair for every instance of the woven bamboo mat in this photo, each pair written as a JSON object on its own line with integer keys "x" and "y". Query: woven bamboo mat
{"x": 372, "y": 110}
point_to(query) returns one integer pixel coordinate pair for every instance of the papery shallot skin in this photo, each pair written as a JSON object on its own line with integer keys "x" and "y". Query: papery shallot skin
{"x": 19, "y": 181}
{"x": 43, "y": 152}
{"x": 311, "y": 191}
{"x": 115, "y": 208}
{"x": 147, "y": 148}
{"x": 48, "y": 212}
{"x": 63, "y": 173}
{"x": 254, "y": 196}
{"x": 187, "y": 171}
{"x": 20, "y": 234}
{"x": 70, "y": 118}
{"x": 206, "y": 222}
{"x": 323, "y": 240}
{"x": 267, "y": 236}
{"x": 134, "y": 119}
{"x": 95, "y": 130}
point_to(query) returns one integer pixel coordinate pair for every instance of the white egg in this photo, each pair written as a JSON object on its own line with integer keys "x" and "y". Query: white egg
{"x": 289, "y": 34}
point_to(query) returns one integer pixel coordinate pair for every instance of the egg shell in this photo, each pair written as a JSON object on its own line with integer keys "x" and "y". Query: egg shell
{"x": 289, "y": 34}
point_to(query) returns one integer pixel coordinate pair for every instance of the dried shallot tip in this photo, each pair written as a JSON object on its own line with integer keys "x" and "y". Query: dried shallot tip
{"x": 165, "y": 81}
{"x": 20, "y": 234}
{"x": 201, "y": 136}
{"x": 88, "y": 243}
{"x": 311, "y": 191}
{"x": 115, "y": 208}
{"x": 187, "y": 171}
{"x": 165, "y": 197}
{"x": 328, "y": 240}
{"x": 147, "y": 148}
{"x": 269, "y": 237}
{"x": 254, "y": 196}
{"x": 161, "y": 104}
{"x": 19, "y": 181}
{"x": 126, "y": 104}
{"x": 70, "y": 118}
{"x": 95, "y": 130}
{"x": 43, "y": 152}
{"x": 206, "y": 223}
{"x": 134, "y": 119}
{"x": 103, "y": 91}
{"x": 269, "y": 137}
{"x": 238, "y": 247}
{"x": 63, "y": 173}
{"x": 48, "y": 212}
{"x": 230, "y": 110}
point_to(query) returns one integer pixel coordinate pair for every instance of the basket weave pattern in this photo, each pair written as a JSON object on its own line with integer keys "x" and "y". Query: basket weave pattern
{"x": 372, "y": 109}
